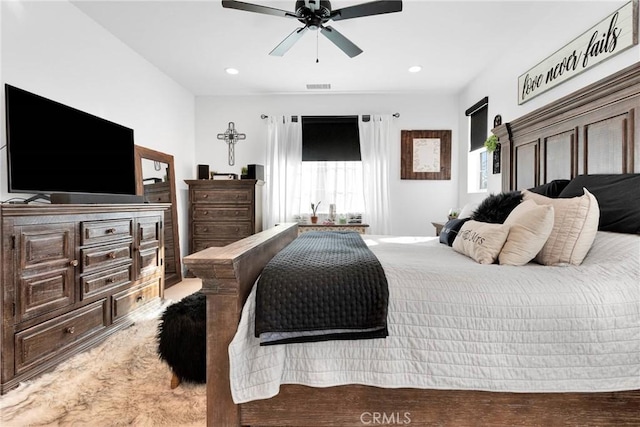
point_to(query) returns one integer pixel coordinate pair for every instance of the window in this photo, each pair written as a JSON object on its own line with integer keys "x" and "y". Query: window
{"x": 477, "y": 162}
{"x": 482, "y": 177}
{"x": 331, "y": 163}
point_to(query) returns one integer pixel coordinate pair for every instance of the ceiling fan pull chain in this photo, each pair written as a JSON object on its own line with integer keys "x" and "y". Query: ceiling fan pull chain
{"x": 317, "y": 60}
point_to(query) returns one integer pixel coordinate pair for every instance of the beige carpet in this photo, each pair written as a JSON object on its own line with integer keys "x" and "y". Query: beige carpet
{"x": 120, "y": 382}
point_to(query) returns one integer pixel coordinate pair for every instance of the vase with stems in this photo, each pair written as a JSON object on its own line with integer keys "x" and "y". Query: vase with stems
{"x": 314, "y": 215}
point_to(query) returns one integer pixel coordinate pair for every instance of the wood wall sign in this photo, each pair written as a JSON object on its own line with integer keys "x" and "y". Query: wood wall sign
{"x": 425, "y": 154}
{"x": 614, "y": 34}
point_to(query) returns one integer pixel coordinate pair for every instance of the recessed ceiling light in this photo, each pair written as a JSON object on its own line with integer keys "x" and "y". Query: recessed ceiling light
{"x": 231, "y": 71}
{"x": 415, "y": 69}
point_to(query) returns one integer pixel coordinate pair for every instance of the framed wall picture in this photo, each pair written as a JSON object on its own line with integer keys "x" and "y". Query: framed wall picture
{"x": 425, "y": 154}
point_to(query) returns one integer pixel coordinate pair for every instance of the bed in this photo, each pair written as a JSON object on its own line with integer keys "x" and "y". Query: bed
{"x": 593, "y": 131}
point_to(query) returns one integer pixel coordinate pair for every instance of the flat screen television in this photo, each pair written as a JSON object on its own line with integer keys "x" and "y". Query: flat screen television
{"x": 54, "y": 148}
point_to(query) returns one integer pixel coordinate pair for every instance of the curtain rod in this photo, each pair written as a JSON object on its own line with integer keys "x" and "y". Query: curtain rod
{"x": 264, "y": 116}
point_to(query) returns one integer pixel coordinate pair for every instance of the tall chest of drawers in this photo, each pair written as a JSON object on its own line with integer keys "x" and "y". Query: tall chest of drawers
{"x": 223, "y": 211}
{"x": 71, "y": 276}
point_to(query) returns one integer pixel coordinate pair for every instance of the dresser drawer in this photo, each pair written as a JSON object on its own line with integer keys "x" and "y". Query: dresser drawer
{"x": 222, "y": 195}
{"x": 159, "y": 197}
{"x": 42, "y": 293}
{"x": 127, "y": 301}
{"x": 105, "y": 231}
{"x": 222, "y": 230}
{"x": 39, "y": 343}
{"x": 105, "y": 256}
{"x": 222, "y": 213}
{"x": 103, "y": 282}
{"x": 148, "y": 261}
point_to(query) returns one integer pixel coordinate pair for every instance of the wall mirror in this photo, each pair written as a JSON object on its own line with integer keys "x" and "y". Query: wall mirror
{"x": 155, "y": 179}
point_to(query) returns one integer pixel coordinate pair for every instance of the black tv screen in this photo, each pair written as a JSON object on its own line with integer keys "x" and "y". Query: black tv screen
{"x": 53, "y": 148}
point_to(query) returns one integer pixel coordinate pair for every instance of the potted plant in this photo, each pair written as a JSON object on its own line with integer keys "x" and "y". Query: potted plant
{"x": 244, "y": 173}
{"x": 491, "y": 144}
{"x": 314, "y": 210}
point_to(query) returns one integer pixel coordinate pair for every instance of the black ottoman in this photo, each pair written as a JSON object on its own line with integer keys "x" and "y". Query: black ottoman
{"x": 182, "y": 339}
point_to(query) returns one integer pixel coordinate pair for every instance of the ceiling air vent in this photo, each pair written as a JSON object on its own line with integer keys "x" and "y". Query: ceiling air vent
{"x": 319, "y": 86}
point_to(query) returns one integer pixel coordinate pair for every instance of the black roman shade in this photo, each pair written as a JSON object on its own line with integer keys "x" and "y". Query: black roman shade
{"x": 330, "y": 138}
{"x": 478, "y": 113}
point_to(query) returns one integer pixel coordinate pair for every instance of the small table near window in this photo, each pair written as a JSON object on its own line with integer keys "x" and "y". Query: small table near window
{"x": 438, "y": 226}
{"x": 359, "y": 228}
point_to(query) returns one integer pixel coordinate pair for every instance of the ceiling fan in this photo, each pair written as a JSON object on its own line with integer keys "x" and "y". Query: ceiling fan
{"x": 314, "y": 14}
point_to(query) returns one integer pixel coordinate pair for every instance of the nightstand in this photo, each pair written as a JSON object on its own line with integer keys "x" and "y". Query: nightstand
{"x": 438, "y": 226}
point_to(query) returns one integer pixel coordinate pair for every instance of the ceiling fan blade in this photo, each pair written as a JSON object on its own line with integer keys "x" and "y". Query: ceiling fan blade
{"x": 366, "y": 9}
{"x": 341, "y": 41}
{"x": 249, "y": 7}
{"x": 286, "y": 44}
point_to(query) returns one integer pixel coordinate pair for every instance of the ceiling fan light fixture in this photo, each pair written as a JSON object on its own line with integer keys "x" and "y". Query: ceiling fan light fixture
{"x": 415, "y": 69}
{"x": 232, "y": 71}
{"x": 313, "y": 14}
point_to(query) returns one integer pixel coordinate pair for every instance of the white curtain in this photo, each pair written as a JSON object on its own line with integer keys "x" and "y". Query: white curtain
{"x": 282, "y": 170}
{"x": 375, "y": 142}
{"x": 333, "y": 182}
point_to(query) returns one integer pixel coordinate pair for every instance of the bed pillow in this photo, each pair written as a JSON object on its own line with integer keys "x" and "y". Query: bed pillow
{"x": 552, "y": 189}
{"x": 618, "y": 198}
{"x": 467, "y": 210}
{"x": 530, "y": 226}
{"x": 575, "y": 224}
{"x": 481, "y": 241}
{"x": 450, "y": 230}
{"x": 497, "y": 207}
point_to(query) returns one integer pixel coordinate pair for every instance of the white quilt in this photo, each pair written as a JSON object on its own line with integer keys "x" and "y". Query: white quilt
{"x": 456, "y": 324}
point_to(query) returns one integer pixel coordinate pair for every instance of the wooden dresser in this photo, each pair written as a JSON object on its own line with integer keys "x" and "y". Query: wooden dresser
{"x": 71, "y": 276}
{"x": 223, "y": 211}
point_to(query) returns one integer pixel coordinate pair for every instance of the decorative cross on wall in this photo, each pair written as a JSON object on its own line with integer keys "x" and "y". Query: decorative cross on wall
{"x": 231, "y": 137}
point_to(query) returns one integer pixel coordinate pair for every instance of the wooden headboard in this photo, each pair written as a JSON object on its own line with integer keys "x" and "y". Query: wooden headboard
{"x": 594, "y": 130}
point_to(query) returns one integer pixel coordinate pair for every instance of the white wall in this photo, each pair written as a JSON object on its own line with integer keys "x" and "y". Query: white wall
{"x": 414, "y": 204}
{"x": 499, "y": 82}
{"x": 54, "y": 50}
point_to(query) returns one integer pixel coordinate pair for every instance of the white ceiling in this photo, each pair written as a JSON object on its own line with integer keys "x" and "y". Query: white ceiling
{"x": 194, "y": 41}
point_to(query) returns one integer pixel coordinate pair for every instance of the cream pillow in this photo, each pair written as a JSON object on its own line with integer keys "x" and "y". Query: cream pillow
{"x": 481, "y": 241}
{"x": 574, "y": 228}
{"x": 530, "y": 226}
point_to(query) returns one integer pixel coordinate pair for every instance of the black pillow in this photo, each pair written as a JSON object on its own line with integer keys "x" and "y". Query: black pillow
{"x": 450, "y": 230}
{"x": 618, "y": 198}
{"x": 551, "y": 189}
{"x": 497, "y": 207}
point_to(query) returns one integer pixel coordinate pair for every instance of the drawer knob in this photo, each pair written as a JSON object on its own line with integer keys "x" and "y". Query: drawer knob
{"x": 140, "y": 298}
{"x": 111, "y": 255}
{"x": 205, "y": 229}
{"x": 70, "y": 330}
{"x": 73, "y": 263}
{"x": 205, "y": 213}
{"x": 110, "y": 280}
{"x": 110, "y": 230}
{"x": 204, "y": 196}
{"x": 237, "y": 213}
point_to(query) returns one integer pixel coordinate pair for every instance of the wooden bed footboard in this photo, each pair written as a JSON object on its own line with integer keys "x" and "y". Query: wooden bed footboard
{"x": 228, "y": 274}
